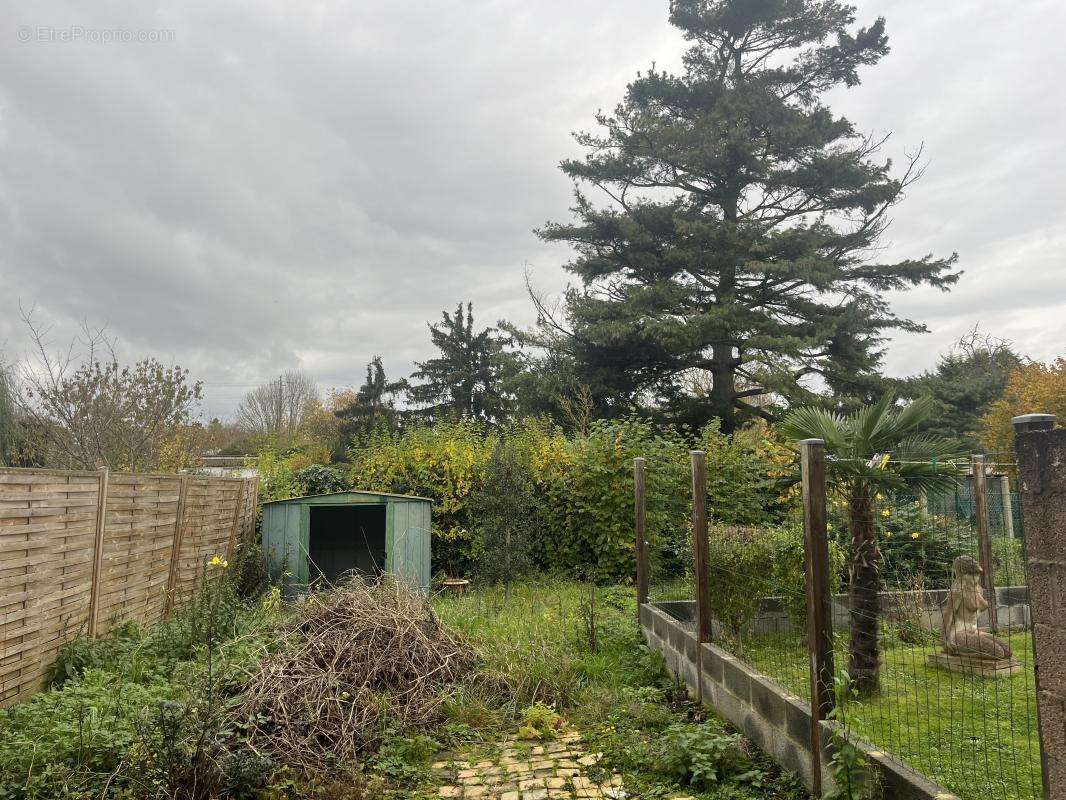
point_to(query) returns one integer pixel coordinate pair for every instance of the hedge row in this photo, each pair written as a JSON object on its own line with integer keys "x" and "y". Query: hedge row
{"x": 583, "y": 485}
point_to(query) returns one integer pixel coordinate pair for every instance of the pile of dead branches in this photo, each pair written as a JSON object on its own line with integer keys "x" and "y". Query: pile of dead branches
{"x": 356, "y": 661}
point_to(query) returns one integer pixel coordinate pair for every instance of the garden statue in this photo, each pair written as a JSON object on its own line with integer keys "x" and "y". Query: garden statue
{"x": 967, "y": 648}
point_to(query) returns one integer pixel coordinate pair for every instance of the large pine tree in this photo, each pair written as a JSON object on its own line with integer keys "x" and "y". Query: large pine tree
{"x": 737, "y": 236}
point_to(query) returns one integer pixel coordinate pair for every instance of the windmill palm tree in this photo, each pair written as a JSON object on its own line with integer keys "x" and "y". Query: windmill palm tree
{"x": 877, "y": 449}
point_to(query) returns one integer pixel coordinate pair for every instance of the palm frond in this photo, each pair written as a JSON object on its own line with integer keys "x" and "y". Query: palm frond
{"x": 927, "y": 447}
{"x": 926, "y": 461}
{"x": 815, "y": 423}
{"x": 867, "y": 423}
{"x": 898, "y": 424}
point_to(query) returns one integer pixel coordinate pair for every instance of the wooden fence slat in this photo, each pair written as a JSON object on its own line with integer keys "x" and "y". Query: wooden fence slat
{"x": 640, "y": 525}
{"x": 700, "y": 548}
{"x": 175, "y": 551}
{"x": 98, "y": 552}
{"x": 85, "y": 551}
{"x": 819, "y": 609}
{"x": 232, "y": 543}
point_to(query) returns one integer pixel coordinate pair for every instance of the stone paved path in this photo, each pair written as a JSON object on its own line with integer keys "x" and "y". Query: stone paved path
{"x": 522, "y": 772}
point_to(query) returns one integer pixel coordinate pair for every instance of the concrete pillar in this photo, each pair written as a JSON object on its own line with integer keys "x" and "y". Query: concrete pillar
{"x": 1041, "y": 452}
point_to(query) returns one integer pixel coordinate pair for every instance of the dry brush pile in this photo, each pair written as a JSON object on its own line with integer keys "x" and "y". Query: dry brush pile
{"x": 355, "y": 662}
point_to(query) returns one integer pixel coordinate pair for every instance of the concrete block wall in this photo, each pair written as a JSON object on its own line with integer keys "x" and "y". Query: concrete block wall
{"x": 776, "y": 721}
{"x": 1012, "y": 610}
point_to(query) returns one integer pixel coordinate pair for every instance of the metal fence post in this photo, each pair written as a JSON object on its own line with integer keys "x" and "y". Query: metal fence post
{"x": 1008, "y": 506}
{"x": 984, "y": 539}
{"x": 640, "y": 524}
{"x": 1041, "y": 456}
{"x": 819, "y": 608}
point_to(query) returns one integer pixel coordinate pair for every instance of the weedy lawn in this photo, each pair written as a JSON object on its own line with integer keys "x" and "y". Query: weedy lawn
{"x": 577, "y": 649}
{"x": 158, "y": 713}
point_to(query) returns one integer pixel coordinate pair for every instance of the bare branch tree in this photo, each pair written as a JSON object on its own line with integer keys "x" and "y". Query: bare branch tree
{"x": 9, "y": 427}
{"x": 281, "y": 407}
{"x": 83, "y": 409}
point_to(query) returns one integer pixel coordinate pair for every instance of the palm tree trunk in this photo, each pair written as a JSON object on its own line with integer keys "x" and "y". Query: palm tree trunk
{"x": 865, "y": 658}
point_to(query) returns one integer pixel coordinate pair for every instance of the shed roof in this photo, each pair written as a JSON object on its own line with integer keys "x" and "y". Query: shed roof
{"x": 308, "y": 497}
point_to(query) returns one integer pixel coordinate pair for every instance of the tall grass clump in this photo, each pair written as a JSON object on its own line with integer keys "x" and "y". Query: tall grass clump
{"x": 139, "y": 713}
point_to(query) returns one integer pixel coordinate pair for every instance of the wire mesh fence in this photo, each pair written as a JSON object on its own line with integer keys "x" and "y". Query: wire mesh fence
{"x": 933, "y": 633}
{"x": 669, "y": 539}
{"x": 952, "y": 693}
{"x": 757, "y": 600}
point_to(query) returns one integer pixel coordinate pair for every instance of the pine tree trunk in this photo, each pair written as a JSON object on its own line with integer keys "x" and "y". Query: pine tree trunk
{"x": 723, "y": 389}
{"x": 865, "y": 658}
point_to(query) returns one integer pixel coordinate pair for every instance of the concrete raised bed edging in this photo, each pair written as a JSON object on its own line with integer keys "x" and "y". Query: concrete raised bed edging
{"x": 777, "y": 721}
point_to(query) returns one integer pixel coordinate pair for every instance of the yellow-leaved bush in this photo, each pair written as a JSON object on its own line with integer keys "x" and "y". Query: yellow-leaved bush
{"x": 1031, "y": 388}
{"x": 583, "y": 484}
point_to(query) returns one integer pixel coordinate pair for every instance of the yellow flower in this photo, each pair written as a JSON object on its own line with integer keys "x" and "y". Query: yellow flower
{"x": 225, "y": 564}
{"x": 886, "y": 513}
{"x": 215, "y": 561}
{"x": 916, "y": 535}
{"x": 888, "y": 534}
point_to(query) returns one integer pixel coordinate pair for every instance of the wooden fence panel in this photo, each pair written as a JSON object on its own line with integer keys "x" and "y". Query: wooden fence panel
{"x": 210, "y": 506}
{"x": 138, "y": 536}
{"x": 48, "y": 540}
{"x": 47, "y": 532}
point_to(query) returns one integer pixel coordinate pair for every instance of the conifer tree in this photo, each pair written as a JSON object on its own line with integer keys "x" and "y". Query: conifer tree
{"x": 737, "y": 235}
{"x": 373, "y": 406}
{"x": 467, "y": 380}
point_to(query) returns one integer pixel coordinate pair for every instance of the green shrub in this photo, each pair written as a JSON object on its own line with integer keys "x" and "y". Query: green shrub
{"x": 590, "y": 525}
{"x": 82, "y": 653}
{"x": 321, "y": 479}
{"x": 917, "y": 544}
{"x": 704, "y": 756}
{"x": 539, "y": 721}
{"x": 581, "y": 517}
{"x": 446, "y": 463}
{"x": 505, "y": 515}
{"x": 249, "y": 572}
{"x": 140, "y": 711}
{"x": 62, "y": 742}
{"x": 741, "y": 468}
{"x": 1009, "y": 560}
{"x": 405, "y": 758}
{"x": 746, "y": 564}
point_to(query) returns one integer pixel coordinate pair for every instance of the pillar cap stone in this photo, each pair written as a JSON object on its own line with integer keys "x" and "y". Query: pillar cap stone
{"x": 1034, "y": 422}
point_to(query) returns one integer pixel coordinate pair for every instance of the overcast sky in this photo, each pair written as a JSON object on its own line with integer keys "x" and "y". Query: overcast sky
{"x": 278, "y": 185}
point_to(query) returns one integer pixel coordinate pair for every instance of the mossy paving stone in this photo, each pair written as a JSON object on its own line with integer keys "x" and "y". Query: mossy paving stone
{"x": 525, "y": 771}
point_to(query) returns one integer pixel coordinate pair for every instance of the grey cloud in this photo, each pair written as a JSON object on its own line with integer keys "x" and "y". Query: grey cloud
{"x": 288, "y": 185}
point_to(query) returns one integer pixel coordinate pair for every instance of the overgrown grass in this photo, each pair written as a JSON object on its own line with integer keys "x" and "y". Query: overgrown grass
{"x": 117, "y": 702}
{"x": 144, "y": 714}
{"x": 578, "y": 649}
{"x": 975, "y": 736}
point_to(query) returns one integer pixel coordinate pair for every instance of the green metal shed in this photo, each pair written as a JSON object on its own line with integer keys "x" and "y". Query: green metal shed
{"x": 326, "y": 536}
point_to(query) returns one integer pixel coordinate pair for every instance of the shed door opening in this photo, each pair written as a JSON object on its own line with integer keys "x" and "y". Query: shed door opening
{"x": 346, "y": 539}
